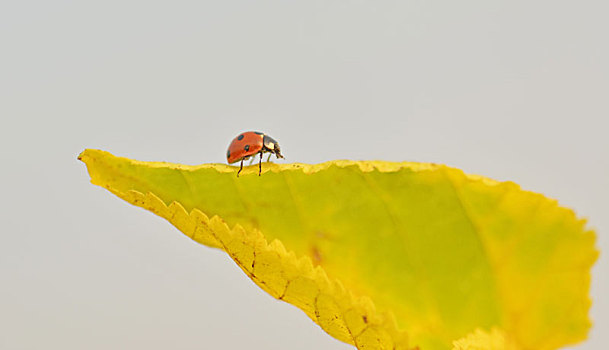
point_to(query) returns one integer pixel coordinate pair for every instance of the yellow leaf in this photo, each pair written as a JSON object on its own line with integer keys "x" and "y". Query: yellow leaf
{"x": 480, "y": 340}
{"x": 383, "y": 255}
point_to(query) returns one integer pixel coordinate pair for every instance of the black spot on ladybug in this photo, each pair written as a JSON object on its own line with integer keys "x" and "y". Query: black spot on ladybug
{"x": 258, "y": 133}
{"x": 240, "y": 137}
{"x": 228, "y": 154}
{"x": 247, "y": 147}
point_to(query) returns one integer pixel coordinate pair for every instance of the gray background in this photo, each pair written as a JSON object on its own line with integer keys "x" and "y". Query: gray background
{"x": 511, "y": 90}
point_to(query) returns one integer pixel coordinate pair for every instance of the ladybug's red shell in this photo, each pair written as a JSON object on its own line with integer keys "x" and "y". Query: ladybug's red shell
{"x": 245, "y": 145}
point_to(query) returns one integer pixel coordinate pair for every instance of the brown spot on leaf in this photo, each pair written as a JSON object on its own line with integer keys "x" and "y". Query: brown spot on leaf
{"x": 315, "y": 255}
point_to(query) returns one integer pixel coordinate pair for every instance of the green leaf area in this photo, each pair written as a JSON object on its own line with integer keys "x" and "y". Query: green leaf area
{"x": 384, "y": 255}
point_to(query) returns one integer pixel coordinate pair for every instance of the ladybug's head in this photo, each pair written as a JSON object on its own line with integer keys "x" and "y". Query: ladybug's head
{"x": 270, "y": 145}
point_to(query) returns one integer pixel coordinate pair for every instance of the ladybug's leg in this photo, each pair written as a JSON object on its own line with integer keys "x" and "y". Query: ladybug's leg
{"x": 240, "y": 168}
{"x": 269, "y": 158}
{"x": 260, "y": 165}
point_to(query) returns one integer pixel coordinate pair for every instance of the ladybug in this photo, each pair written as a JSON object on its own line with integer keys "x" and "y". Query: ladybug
{"x": 250, "y": 143}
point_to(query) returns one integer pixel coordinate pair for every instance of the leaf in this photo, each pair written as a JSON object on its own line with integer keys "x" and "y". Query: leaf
{"x": 481, "y": 340}
{"x": 383, "y": 255}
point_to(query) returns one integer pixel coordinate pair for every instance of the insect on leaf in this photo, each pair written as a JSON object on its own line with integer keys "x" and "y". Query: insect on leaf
{"x": 383, "y": 255}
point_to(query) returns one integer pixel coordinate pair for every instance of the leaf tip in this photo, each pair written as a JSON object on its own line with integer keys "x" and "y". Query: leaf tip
{"x": 88, "y": 154}
{"x": 81, "y": 155}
